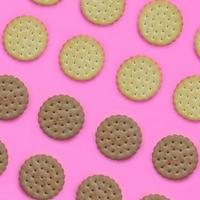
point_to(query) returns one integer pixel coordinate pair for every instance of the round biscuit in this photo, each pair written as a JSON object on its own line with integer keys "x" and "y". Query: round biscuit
{"x": 98, "y": 187}
{"x": 13, "y": 97}
{"x": 186, "y": 98}
{"x": 154, "y": 197}
{"x": 46, "y": 2}
{"x": 197, "y": 42}
{"x": 61, "y": 117}
{"x": 25, "y": 38}
{"x": 160, "y": 22}
{"x": 3, "y": 157}
{"x": 175, "y": 157}
{"x": 41, "y": 177}
{"x": 139, "y": 78}
{"x": 118, "y": 137}
{"x": 81, "y": 58}
{"x": 102, "y": 12}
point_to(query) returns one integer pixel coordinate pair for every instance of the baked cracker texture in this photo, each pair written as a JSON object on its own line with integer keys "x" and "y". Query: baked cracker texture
{"x": 13, "y": 97}
{"x": 155, "y": 197}
{"x": 42, "y": 177}
{"x": 118, "y": 137}
{"x": 46, "y": 2}
{"x": 160, "y": 22}
{"x": 3, "y": 157}
{"x": 197, "y": 42}
{"x": 139, "y": 78}
{"x": 61, "y": 117}
{"x": 175, "y": 157}
{"x": 81, "y": 58}
{"x": 25, "y": 38}
{"x": 102, "y": 12}
{"x": 186, "y": 98}
{"x": 99, "y": 187}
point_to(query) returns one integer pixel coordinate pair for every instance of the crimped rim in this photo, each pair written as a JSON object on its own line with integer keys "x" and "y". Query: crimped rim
{"x": 173, "y": 101}
{"x": 40, "y": 111}
{"x": 27, "y": 95}
{"x": 7, "y": 157}
{"x": 100, "y": 69}
{"x": 102, "y": 24}
{"x": 122, "y": 116}
{"x": 14, "y": 57}
{"x": 185, "y": 138}
{"x": 140, "y": 32}
{"x": 48, "y": 5}
{"x": 97, "y": 176}
{"x": 42, "y": 155}
{"x": 133, "y": 99}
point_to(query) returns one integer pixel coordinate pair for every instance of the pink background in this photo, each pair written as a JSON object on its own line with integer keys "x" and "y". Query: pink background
{"x": 100, "y": 98}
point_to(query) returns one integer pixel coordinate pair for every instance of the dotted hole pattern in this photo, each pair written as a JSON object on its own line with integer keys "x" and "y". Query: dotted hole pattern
{"x": 118, "y": 137}
{"x": 187, "y": 98}
{"x": 42, "y": 177}
{"x": 61, "y": 117}
{"x": 102, "y": 12}
{"x": 3, "y": 157}
{"x": 99, "y": 187}
{"x": 25, "y": 38}
{"x": 82, "y": 58}
{"x": 160, "y": 22}
{"x": 139, "y": 78}
{"x": 175, "y": 157}
{"x": 13, "y": 97}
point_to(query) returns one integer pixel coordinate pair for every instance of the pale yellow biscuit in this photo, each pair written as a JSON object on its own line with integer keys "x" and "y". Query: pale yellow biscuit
{"x": 81, "y": 58}
{"x": 186, "y": 98}
{"x": 160, "y": 22}
{"x": 197, "y": 42}
{"x": 139, "y": 78}
{"x": 25, "y": 38}
{"x": 46, "y": 2}
{"x": 102, "y": 12}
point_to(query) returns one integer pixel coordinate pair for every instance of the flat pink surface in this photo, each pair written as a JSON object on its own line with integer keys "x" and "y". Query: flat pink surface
{"x": 100, "y": 98}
